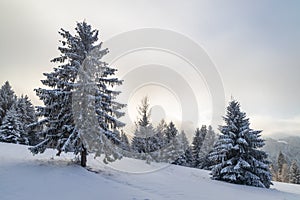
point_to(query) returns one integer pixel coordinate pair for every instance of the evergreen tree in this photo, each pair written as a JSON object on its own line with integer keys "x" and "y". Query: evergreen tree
{"x": 160, "y": 132}
{"x": 12, "y": 129}
{"x": 143, "y": 141}
{"x": 170, "y": 132}
{"x": 183, "y": 140}
{"x": 157, "y": 141}
{"x": 197, "y": 146}
{"x": 186, "y": 159}
{"x": 173, "y": 147}
{"x": 15, "y": 127}
{"x": 7, "y": 99}
{"x": 189, "y": 158}
{"x": 144, "y": 111}
{"x": 285, "y": 173}
{"x": 124, "y": 142}
{"x": 206, "y": 149}
{"x": 236, "y": 153}
{"x": 138, "y": 142}
{"x": 294, "y": 173}
{"x": 71, "y": 79}
{"x": 282, "y": 165}
{"x": 27, "y": 117}
{"x": 273, "y": 172}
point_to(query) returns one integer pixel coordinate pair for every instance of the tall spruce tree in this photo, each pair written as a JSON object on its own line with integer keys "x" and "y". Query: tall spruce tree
{"x": 237, "y": 152}
{"x": 60, "y": 130}
{"x": 7, "y": 99}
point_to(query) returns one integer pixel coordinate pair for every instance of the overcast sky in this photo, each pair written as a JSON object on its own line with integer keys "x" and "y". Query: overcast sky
{"x": 255, "y": 45}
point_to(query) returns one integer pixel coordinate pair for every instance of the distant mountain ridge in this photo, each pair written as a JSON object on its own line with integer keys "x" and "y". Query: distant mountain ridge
{"x": 289, "y": 146}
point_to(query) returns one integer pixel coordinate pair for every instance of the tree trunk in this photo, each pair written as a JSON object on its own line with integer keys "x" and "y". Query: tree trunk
{"x": 83, "y": 154}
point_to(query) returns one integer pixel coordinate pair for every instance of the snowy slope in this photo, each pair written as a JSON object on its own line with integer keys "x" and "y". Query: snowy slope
{"x": 23, "y": 176}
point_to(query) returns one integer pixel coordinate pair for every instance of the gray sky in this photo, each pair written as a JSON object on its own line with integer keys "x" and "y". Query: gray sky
{"x": 254, "y": 44}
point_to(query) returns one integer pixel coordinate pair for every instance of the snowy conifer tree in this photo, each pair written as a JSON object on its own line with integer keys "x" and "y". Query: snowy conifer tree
{"x": 124, "y": 141}
{"x": 170, "y": 132}
{"x": 143, "y": 141}
{"x": 15, "y": 127}
{"x": 173, "y": 147}
{"x": 12, "y": 129}
{"x": 189, "y": 158}
{"x": 206, "y": 149}
{"x": 184, "y": 143}
{"x": 273, "y": 172}
{"x": 186, "y": 159}
{"x": 27, "y": 117}
{"x": 197, "y": 145}
{"x": 236, "y": 153}
{"x": 60, "y": 130}
{"x": 7, "y": 99}
{"x": 160, "y": 131}
{"x": 294, "y": 173}
{"x": 138, "y": 142}
{"x": 282, "y": 165}
{"x": 157, "y": 141}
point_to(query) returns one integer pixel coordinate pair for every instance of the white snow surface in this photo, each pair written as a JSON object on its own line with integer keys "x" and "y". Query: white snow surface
{"x": 47, "y": 177}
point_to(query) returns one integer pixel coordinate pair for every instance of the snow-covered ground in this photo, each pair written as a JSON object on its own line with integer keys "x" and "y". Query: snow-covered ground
{"x": 43, "y": 177}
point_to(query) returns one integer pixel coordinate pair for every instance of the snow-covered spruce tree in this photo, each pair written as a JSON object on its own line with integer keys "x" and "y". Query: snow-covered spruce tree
{"x": 237, "y": 152}
{"x": 160, "y": 133}
{"x": 197, "y": 145}
{"x": 206, "y": 149}
{"x": 186, "y": 158}
{"x": 170, "y": 132}
{"x": 282, "y": 168}
{"x": 12, "y": 128}
{"x": 60, "y": 130}
{"x": 15, "y": 127}
{"x": 124, "y": 141}
{"x": 143, "y": 141}
{"x": 273, "y": 172}
{"x": 158, "y": 141}
{"x": 27, "y": 117}
{"x": 7, "y": 99}
{"x": 138, "y": 141}
{"x": 294, "y": 173}
{"x": 173, "y": 147}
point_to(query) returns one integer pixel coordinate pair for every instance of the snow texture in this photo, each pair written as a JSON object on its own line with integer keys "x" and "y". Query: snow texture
{"x": 23, "y": 176}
